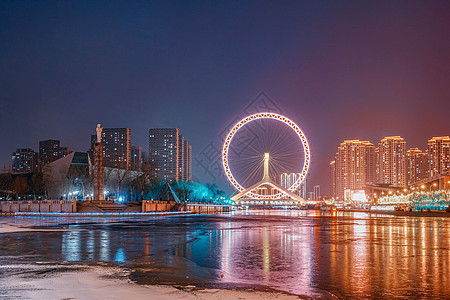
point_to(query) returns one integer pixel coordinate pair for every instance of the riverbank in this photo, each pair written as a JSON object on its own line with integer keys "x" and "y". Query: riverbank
{"x": 63, "y": 281}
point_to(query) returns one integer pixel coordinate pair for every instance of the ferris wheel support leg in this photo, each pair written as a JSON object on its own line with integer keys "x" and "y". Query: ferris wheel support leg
{"x": 272, "y": 184}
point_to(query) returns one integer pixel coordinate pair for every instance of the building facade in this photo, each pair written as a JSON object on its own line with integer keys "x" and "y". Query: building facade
{"x": 24, "y": 160}
{"x": 288, "y": 179}
{"x": 353, "y": 167}
{"x": 187, "y": 161}
{"x": 116, "y": 147}
{"x": 317, "y": 195}
{"x": 391, "y": 161}
{"x": 171, "y": 153}
{"x": 136, "y": 158}
{"x": 333, "y": 178}
{"x": 417, "y": 165}
{"x": 438, "y": 155}
{"x": 51, "y": 150}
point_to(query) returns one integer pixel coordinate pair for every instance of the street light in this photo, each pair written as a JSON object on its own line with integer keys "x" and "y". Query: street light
{"x": 434, "y": 184}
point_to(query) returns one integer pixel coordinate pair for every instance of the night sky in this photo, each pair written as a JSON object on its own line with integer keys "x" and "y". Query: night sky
{"x": 341, "y": 70}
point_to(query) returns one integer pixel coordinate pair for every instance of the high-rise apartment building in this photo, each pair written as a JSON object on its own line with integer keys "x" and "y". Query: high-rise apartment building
{"x": 391, "y": 161}
{"x": 187, "y": 161}
{"x": 416, "y": 165}
{"x": 63, "y": 151}
{"x": 116, "y": 147}
{"x": 144, "y": 156}
{"x": 317, "y": 195}
{"x": 288, "y": 179}
{"x": 333, "y": 178}
{"x": 136, "y": 158}
{"x": 439, "y": 155}
{"x": 171, "y": 153}
{"x": 51, "y": 150}
{"x": 353, "y": 167}
{"x": 24, "y": 160}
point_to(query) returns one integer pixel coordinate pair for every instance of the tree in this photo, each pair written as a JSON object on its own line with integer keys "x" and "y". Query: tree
{"x": 45, "y": 173}
{"x": 183, "y": 189}
{"x": 6, "y": 182}
{"x": 147, "y": 177}
{"x": 37, "y": 184}
{"x": 20, "y": 186}
{"x": 120, "y": 176}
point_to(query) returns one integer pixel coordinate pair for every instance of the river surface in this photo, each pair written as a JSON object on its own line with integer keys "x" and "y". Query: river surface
{"x": 343, "y": 255}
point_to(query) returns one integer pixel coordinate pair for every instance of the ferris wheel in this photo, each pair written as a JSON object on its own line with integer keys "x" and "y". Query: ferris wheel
{"x": 258, "y": 150}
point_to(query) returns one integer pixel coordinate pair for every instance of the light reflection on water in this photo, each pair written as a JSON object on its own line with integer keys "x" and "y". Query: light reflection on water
{"x": 347, "y": 254}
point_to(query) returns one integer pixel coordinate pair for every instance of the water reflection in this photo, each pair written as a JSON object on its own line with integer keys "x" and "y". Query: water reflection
{"x": 347, "y": 254}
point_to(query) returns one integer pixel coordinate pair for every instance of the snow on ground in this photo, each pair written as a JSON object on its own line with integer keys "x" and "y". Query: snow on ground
{"x": 81, "y": 282}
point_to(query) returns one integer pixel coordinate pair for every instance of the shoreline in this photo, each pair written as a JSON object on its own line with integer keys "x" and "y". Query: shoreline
{"x": 73, "y": 281}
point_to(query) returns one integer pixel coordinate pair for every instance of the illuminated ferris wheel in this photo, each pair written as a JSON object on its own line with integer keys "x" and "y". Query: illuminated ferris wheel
{"x": 258, "y": 150}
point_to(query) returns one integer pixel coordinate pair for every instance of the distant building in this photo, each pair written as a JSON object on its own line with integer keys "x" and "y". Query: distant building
{"x": 439, "y": 155}
{"x": 288, "y": 179}
{"x": 51, "y": 150}
{"x": 353, "y": 167}
{"x": 116, "y": 147}
{"x": 144, "y": 156}
{"x": 63, "y": 151}
{"x": 171, "y": 153}
{"x": 136, "y": 158}
{"x": 417, "y": 165}
{"x": 391, "y": 161}
{"x": 333, "y": 178}
{"x": 24, "y": 160}
{"x": 187, "y": 161}
{"x": 302, "y": 189}
{"x": 317, "y": 195}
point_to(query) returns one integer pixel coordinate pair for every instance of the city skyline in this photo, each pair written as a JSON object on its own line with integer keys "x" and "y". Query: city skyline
{"x": 417, "y": 164}
{"x": 339, "y": 72}
{"x": 225, "y": 149}
{"x": 361, "y": 165}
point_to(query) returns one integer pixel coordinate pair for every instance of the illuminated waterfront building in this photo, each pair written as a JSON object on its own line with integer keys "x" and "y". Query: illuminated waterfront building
{"x": 439, "y": 155}
{"x": 116, "y": 148}
{"x": 391, "y": 161}
{"x": 353, "y": 167}
{"x": 171, "y": 153}
{"x": 24, "y": 160}
{"x": 417, "y": 165}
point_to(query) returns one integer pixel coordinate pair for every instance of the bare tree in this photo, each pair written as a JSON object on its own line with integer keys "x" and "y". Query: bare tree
{"x": 6, "y": 182}
{"x": 146, "y": 178}
{"x": 120, "y": 176}
{"x": 20, "y": 186}
{"x": 36, "y": 184}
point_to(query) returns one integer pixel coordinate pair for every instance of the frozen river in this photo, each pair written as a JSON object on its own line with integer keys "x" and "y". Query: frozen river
{"x": 347, "y": 255}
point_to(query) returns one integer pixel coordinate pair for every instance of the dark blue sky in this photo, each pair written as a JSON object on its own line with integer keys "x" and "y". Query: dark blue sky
{"x": 341, "y": 70}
